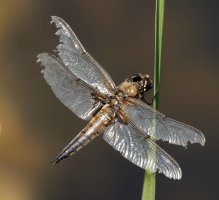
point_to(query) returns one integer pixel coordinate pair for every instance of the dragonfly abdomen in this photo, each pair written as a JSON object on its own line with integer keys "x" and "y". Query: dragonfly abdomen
{"x": 95, "y": 127}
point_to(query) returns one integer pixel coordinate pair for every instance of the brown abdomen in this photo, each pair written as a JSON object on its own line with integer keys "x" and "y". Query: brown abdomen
{"x": 94, "y": 128}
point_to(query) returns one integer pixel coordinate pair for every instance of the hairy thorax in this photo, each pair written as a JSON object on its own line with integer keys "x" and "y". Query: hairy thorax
{"x": 129, "y": 88}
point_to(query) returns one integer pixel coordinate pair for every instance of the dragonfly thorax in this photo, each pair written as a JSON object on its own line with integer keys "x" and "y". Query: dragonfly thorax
{"x": 137, "y": 85}
{"x": 129, "y": 88}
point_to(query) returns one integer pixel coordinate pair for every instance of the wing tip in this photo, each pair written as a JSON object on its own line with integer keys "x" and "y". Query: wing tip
{"x": 40, "y": 57}
{"x": 175, "y": 175}
{"x": 197, "y": 137}
{"x": 58, "y": 21}
{"x": 202, "y": 138}
{"x": 178, "y": 174}
{"x": 55, "y": 19}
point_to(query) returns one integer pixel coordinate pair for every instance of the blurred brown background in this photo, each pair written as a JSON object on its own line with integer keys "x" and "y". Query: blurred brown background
{"x": 120, "y": 35}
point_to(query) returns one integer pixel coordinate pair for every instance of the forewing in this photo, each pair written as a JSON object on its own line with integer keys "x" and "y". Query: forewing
{"x": 140, "y": 150}
{"x": 81, "y": 63}
{"x": 148, "y": 120}
{"x": 70, "y": 90}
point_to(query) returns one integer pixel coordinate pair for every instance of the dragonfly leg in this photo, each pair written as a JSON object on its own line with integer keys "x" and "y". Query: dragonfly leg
{"x": 150, "y": 102}
{"x": 98, "y": 97}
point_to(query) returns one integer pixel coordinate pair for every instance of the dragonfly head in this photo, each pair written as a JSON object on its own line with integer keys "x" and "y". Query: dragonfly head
{"x": 136, "y": 86}
{"x": 144, "y": 81}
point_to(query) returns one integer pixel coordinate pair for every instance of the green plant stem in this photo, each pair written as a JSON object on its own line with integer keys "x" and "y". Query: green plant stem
{"x": 149, "y": 184}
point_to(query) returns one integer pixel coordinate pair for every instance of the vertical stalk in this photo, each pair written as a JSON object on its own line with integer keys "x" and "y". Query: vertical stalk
{"x": 149, "y": 184}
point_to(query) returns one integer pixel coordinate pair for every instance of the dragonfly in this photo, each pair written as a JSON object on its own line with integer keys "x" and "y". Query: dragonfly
{"x": 120, "y": 113}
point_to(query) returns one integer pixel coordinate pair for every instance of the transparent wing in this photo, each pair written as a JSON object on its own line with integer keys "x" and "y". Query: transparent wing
{"x": 140, "y": 150}
{"x": 144, "y": 117}
{"x": 79, "y": 62}
{"x": 70, "y": 90}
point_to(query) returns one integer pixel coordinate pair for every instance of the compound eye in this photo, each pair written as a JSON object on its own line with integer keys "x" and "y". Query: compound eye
{"x": 149, "y": 85}
{"x": 136, "y": 78}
